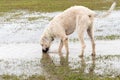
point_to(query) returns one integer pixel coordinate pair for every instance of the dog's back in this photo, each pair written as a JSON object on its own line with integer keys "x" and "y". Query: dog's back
{"x": 67, "y": 19}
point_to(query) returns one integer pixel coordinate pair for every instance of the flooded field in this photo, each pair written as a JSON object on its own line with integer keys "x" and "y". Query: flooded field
{"x": 21, "y": 57}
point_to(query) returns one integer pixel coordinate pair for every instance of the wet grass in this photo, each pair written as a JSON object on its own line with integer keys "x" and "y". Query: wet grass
{"x": 52, "y": 5}
{"x": 14, "y": 77}
{"x": 108, "y": 37}
{"x": 68, "y": 76}
{"x": 67, "y": 72}
{"x": 32, "y": 18}
{"x": 83, "y": 69}
{"x": 41, "y": 17}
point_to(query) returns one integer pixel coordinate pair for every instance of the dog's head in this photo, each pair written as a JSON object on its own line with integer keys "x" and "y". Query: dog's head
{"x": 45, "y": 43}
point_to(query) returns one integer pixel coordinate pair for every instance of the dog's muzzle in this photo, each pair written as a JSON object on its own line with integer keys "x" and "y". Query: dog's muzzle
{"x": 45, "y": 50}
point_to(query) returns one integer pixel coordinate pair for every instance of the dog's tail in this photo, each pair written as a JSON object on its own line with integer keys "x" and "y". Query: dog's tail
{"x": 108, "y": 12}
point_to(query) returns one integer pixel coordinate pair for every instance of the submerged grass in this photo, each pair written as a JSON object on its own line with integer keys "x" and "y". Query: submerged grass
{"x": 14, "y": 77}
{"x": 108, "y": 37}
{"x": 52, "y": 5}
{"x": 41, "y": 17}
{"x": 60, "y": 74}
{"x": 67, "y": 70}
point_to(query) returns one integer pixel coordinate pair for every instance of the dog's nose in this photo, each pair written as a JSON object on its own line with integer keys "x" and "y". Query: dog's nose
{"x": 45, "y": 50}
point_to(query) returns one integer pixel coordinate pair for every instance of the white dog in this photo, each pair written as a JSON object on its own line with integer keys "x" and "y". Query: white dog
{"x": 78, "y": 18}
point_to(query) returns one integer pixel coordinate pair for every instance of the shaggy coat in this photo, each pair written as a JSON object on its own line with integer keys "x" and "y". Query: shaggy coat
{"x": 77, "y": 18}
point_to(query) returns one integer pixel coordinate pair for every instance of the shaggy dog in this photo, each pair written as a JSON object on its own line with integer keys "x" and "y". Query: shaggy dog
{"x": 77, "y": 18}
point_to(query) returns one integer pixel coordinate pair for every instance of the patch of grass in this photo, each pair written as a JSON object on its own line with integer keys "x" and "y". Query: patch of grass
{"x": 108, "y": 57}
{"x": 36, "y": 77}
{"x": 109, "y": 37}
{"x": 9, "y": 77}
{"x": 14, "y": 77}
{"x": 52, "y": 5}
{"x": 74, "y": 40}
{"x": 41, "y": 17}
{"x": 17, "y": 15}
{"x": 1, "y": 14}
{"x": 32, "y": 18}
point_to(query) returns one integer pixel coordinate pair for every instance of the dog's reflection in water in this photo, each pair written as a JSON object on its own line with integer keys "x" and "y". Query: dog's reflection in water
{"x": 84, "y": 65}
{"x": 92, "y": 67}
{"x": 51, "y": 70}
{"x": 48, "y": 66}
{"x": 64, "y": 60}
{"x": 47, "y": 60}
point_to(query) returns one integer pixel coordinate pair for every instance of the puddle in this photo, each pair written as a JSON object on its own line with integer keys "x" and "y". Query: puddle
{"x": 25, "y": 59}
{"x": 26, "y": 27}
{"x": 20, "y": 50}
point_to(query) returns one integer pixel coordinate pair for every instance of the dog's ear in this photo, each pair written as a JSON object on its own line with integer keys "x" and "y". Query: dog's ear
{"x": 44, "y": 38}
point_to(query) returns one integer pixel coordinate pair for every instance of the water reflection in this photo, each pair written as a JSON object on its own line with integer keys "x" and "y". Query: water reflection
{"x": 54, "y": 72}
{"x": 64, "y": 60}
{"x": 85, "y": 67}
{"x": 46, "y": 59}
{"x": 47, "y": 65}
{"x": 92, "y": 67}
{"x": 51, "y": 70}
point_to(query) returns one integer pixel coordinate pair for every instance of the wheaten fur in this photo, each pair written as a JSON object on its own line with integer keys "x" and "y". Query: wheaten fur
{"x": 76, "y": 18}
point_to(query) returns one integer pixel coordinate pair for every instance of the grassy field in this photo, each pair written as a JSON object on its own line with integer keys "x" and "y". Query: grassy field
{"x": 52, "y": 5}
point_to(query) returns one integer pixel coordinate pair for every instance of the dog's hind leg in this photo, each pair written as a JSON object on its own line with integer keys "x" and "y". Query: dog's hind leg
{"x": 82, "y": 24}
{"x": 91, "y": 35}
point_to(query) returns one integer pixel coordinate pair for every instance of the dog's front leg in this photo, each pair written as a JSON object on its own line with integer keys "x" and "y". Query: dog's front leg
{"x": 65, "y": 43}
{"x": 60, "y": 48}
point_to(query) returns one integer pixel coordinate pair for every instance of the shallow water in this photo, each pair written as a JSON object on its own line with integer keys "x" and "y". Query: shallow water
{"x": 24, "y": 58}
{"x": 24, "y": 26}
{"x": 20, "y": 51}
